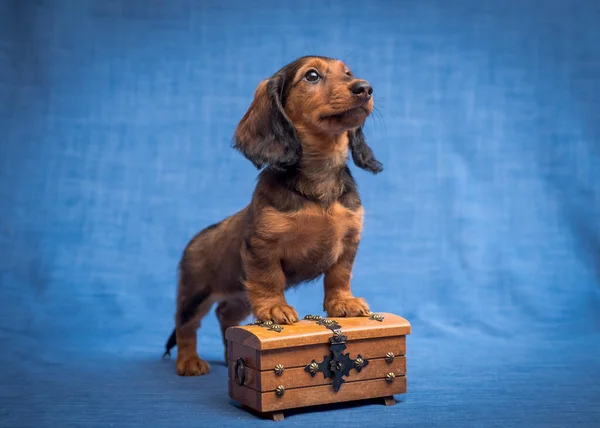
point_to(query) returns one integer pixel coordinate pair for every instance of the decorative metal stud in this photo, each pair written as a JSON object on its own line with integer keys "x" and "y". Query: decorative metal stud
{"x": 279, "y": 369}
{"x": 329, "y": 324}
{"x": 338, "y": 336}
{"x": 389, "y": 357}
{"x": 390, "y": 377}
{"x": 376, "y": 317}
{"x": 313, "y": 368}
{"x": 280, "y": 390}
{"x": 359, "y": 363}
{"x": 269, "y": 325}
{"x": 313, "y": 317}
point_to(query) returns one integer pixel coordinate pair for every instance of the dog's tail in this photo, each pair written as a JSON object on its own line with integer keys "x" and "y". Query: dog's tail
{"x": 187, "y": 314}
{"x": 170, "y": 344}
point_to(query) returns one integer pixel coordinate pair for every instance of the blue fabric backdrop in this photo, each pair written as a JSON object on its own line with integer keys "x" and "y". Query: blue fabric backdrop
{"x": 116, "y": 120}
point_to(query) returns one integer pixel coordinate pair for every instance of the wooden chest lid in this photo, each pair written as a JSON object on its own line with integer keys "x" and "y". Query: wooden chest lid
{"x": 316, "y": 330}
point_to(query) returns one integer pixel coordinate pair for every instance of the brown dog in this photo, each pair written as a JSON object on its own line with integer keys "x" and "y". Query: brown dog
{"x": 305, "y": 216}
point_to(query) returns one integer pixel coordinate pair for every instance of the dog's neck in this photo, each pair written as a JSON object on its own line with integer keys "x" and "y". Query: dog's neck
{"x": 324, "y": 157}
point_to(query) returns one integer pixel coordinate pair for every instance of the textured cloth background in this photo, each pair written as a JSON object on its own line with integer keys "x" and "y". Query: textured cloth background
{"x": 116, "y": 120}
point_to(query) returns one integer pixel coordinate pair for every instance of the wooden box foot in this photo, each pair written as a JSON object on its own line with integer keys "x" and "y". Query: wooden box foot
{"x": 276, "y": 416}
{"x": 389, "y": 401}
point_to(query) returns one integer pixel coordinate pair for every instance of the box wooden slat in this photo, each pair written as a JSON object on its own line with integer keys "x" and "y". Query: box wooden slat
{"x": 323, "y": 394}
{"x": 265, "y": 381}
{"x": 308, "y": 332}
{"x": 301, "y": 356}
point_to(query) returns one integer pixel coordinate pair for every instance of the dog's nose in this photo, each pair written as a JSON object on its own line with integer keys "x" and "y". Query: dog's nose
{"x": 362, "y": 89}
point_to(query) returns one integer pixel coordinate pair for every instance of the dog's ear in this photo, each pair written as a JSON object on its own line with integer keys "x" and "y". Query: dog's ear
{"x": 265, "y": 135}
{"x": 362, "y": 155}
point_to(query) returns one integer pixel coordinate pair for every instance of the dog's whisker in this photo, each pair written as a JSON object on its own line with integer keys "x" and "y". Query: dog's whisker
{"x": 378, "y": 105}
{"x": 379, "y": 119}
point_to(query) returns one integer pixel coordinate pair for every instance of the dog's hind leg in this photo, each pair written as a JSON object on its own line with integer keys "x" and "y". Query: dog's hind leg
{"x": 232, "y": 312}
{"x": 190, "y": 311}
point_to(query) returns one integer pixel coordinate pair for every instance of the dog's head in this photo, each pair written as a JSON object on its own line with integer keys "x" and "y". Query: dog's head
{"x": 314, "y": 96}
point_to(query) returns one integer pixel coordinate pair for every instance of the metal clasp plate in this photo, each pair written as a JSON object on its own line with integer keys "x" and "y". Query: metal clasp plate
{"x": 337, "y": 365}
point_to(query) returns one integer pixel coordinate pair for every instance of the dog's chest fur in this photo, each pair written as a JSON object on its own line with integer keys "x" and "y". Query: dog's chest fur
{"x": 311, "y": 240}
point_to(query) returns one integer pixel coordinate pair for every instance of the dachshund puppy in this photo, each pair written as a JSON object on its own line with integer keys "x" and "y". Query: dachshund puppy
{"x": 305, "y": 216}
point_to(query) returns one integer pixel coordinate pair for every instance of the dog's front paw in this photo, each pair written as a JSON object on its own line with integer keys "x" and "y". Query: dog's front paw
{"x": 352, "y": 307}
{"x": 279, "y": 314}
{"x": 192, "y": 365}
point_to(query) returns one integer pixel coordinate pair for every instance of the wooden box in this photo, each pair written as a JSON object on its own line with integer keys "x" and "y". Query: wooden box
{"x": 317, "y": 361}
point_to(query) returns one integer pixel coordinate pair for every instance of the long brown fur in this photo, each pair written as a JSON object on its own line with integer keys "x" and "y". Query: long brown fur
{"x": 304, "y": 219}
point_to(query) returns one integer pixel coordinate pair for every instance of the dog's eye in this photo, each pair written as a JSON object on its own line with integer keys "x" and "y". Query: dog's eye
{"x": 349, "y": 73}
{"x": 312, "y": 76}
